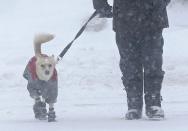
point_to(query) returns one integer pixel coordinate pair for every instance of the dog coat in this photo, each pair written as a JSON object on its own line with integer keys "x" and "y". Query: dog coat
{"x": 47, "y": 89}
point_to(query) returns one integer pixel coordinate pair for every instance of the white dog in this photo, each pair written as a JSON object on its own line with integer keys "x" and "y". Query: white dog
{"x": 42, "y": 79}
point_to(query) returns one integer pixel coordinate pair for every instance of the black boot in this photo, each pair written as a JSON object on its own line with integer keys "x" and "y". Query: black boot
{"x": 155, "y": 112}
{"x": 153, "y": 106}
{"x": 134, "y": 107}
{"x": 133, "y": 114}
{"x": 51, "y": 115}
{"x": 40, "y": 111}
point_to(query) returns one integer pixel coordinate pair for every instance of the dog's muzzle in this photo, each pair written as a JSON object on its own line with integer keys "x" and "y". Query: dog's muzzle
{"x": 47, "y": 72}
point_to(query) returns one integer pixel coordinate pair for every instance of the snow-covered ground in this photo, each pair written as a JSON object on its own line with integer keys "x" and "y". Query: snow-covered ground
{"x": 91, "y": 95}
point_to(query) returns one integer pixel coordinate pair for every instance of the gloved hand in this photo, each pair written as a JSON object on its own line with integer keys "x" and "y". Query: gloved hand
{"x": 167, "y": 1}
{"x": 159, "y": 4}
{"x": 105, "y": 12}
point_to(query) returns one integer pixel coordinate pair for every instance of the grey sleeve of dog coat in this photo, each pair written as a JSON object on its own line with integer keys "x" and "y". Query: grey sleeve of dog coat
{"x": 32, "y": 84}
{"x": 33, "y": 87}
{"x": 49, "y": 91}
{"x": 26, "y": 73}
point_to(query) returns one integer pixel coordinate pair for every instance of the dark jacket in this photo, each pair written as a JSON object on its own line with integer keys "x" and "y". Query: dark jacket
{"x": 137, "y": 14}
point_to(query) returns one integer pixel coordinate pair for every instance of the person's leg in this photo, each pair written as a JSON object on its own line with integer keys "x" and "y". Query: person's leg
{"x": 153, "y": 73}
{"x": 131, "y": 68}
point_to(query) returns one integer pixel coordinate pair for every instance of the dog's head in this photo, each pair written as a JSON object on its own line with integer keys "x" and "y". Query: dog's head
{"x": 45, "y": 67}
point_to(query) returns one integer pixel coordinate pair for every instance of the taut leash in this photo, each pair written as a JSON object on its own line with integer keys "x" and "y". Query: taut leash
{"x": 77, "y": 35}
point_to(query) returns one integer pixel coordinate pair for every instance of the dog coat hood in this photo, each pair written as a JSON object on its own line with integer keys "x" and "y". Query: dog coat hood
{"x": 31, "y": 69}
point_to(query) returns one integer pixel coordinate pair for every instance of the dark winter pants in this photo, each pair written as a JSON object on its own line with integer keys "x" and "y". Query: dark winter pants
{"x": 141, "y": 65}
{"x": 48, "y": 90}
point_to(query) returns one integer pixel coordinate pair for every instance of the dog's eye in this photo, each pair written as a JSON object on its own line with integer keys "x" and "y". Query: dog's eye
{"x": 43, "y": 66}
{"x": 50, "y": 65}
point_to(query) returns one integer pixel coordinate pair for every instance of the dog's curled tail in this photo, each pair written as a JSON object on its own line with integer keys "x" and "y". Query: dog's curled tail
{"x": 39, "y": 39}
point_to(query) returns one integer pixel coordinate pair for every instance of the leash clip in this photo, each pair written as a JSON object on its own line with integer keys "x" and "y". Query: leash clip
{"x": 58, "y": 59}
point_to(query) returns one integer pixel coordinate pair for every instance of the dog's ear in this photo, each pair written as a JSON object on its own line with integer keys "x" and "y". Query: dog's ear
{"x": 37, "y": 56}
{"x": 52, "y": 58}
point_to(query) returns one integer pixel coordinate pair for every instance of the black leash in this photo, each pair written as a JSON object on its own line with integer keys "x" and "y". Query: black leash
{"x": 77, "y": 35}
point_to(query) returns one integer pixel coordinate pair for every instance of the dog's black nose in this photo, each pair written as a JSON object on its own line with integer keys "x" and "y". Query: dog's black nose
{"x": 47, "y": 72}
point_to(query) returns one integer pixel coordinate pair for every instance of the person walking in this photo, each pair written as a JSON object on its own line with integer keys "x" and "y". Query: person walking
{"x": 138, "y": 25}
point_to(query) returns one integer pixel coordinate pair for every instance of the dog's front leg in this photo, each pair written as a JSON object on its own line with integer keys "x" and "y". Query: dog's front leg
{"x": 51, "y": 105}
{"x": 39, "y": 109}
{"x": 51, "y": 113}
{"x": 37, "y": 99}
